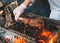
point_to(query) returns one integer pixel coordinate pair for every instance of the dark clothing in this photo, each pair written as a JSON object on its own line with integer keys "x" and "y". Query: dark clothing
{"x": 39, "y": 7}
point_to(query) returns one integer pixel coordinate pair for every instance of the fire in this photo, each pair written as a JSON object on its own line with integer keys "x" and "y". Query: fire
{"x": 51, "y": 41}
{"x": 46, "y": 33}
{"x": 19, "y": 40}
{"x": 51, "y": 37}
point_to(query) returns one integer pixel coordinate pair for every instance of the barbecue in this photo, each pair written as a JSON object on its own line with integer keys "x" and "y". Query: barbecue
{"x": 33, "y": 30}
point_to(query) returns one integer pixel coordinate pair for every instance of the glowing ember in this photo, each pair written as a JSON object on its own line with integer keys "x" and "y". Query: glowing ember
{"x": 51, "y": 37}
{"x": 41, "y": 41}
{"x": 19, "y": 40}
{"x": 46, "y": 33}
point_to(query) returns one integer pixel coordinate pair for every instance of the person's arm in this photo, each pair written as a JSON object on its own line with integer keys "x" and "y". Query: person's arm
{"x": 20, "y": 9}
{"x": 26, "y": 2}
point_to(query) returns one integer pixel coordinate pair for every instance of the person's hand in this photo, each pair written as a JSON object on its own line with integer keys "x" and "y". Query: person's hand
{"x": 18, "y": 11}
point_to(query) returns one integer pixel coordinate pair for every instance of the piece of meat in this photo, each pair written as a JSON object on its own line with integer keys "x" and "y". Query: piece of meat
{"x": 37, "y": 22}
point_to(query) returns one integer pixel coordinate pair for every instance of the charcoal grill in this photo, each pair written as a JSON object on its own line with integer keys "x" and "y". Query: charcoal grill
{"x": 32, "y": 34}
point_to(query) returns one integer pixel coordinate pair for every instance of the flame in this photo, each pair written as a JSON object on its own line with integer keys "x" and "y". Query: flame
{"x": 53, "y": 39}
{"x": 46, "y": 33}
{"x": 19, "y": 40}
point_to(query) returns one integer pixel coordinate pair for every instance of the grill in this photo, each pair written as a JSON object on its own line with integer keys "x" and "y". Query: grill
{"x": 34, "y": 29}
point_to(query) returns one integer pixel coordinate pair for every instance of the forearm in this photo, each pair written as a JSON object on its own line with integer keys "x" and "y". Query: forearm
{"x": 26, "y": 2}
